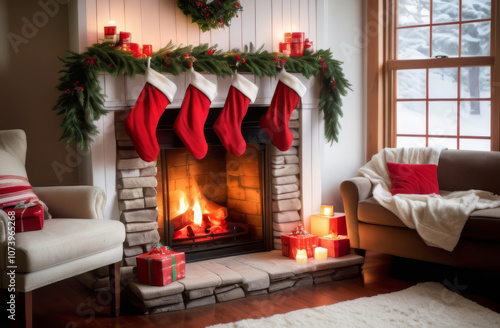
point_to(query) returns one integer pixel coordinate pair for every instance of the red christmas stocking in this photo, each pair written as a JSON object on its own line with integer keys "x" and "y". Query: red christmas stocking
{"x": 228, "y": 124}
{"x": 190, "y": 122}
{"x": 285, "y": 99}
{"x": 142, "y": 121}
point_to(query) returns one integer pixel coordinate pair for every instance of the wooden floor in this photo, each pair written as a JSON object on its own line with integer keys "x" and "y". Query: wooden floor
{"x": 68, "y": 304}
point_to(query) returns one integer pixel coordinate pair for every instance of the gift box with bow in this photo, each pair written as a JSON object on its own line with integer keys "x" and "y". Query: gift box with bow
{"x": 160, "y": 266}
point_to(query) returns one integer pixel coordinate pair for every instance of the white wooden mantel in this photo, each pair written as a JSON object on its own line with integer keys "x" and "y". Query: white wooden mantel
{"x": 156, "y": 22}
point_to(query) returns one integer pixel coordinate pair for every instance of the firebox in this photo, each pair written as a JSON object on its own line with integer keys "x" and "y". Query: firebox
{"x": 216, "y": 206}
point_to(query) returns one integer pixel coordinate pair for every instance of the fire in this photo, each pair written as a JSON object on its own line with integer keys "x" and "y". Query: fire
{"x": 183, "y": 204}
{"x": 198, "y": 216}
{"x": 195, "y": 215}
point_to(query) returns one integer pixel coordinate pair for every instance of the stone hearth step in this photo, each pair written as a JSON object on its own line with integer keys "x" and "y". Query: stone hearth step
{"x": 226, "y": 279}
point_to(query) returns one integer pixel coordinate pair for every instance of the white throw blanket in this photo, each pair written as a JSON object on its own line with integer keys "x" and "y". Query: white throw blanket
{"x": 438, "y": 219}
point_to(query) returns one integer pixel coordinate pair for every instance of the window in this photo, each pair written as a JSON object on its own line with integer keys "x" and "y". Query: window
{"x": 436, "y": 58}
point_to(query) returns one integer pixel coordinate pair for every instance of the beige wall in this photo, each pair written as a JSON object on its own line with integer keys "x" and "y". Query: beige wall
{"x": 28, "y": 78}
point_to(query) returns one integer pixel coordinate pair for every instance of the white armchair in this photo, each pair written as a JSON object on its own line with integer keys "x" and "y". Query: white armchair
{"x": 77, "y": 239}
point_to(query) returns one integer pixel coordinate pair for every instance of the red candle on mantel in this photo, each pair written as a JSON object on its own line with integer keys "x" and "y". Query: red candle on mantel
{"x": 136, "y": 49}
{"x": 147, "y": 49}
{"x": 109, "y": 30}
{"x": 297, "y": 44}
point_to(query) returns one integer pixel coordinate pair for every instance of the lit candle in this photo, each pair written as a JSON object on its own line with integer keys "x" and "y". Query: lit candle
{"x": 147, "y": 49}
{"x": 326, "y": 210}
{"x": 110, "y": 31}
{"x": 301, "y": 256}
{"x": 320, "y": 253}
{"x": 320, "y": 225}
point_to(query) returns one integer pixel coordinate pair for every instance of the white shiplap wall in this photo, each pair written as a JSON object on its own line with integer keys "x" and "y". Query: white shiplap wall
{"x": 157, "y": 22}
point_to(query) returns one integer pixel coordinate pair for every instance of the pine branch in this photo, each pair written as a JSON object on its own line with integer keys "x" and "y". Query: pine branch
{"x": 82, "y": 101}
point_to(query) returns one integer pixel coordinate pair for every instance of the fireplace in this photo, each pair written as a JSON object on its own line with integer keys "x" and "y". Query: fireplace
{"x": 132, "y": 185}
{"x": 219, "y": 205}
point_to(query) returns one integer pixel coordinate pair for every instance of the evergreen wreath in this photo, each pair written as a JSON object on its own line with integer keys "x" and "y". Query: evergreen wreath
{"x": 82, "y": 101}
{"x": 210, "y": 14}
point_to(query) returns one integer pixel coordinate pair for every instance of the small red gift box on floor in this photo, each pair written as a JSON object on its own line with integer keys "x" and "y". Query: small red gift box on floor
{"x": 290, "y": 244}
{"x": 160, "y": 266}
{"x": 28, "y": 217}
{"x": 337, "y": 246}
{"x": 338, "y": 224}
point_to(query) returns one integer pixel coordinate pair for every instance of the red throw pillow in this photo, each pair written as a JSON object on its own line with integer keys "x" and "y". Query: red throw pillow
{"x": 413, "y": 178}
{"x": 15, "y": 189}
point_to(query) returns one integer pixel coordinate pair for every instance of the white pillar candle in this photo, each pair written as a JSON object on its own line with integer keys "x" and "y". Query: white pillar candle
{"x": 320, "y": 253}
{"x": 301, "y": 256}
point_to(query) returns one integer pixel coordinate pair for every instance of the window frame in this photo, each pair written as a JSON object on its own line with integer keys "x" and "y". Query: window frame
{"x": 382, "y": 66}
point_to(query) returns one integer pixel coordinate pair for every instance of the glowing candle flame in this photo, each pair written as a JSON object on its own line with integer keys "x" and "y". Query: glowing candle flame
{"x": 198, "y": 216}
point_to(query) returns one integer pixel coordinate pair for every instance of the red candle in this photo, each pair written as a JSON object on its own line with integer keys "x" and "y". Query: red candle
{"x": 125, "y": 37}
{"x": 298, "y": 37}
{"x": 288, "y": 37}
{"x": 297, "y": 44}
{"x": 136, "y": 49}
{"x": 285, "y": 48}
{"x": 147, "y": 49}
{"x": 109, "y": 30}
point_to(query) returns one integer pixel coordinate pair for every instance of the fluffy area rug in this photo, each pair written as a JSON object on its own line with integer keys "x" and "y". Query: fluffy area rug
{"x": 426, "y": 304}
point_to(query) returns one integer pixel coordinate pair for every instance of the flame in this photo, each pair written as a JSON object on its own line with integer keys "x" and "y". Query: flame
{"x": 183, "y": 204}
{"x": 198, "y": 216}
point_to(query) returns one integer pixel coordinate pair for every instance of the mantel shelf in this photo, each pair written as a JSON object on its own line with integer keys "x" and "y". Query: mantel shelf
{"x": 122, "y": 92}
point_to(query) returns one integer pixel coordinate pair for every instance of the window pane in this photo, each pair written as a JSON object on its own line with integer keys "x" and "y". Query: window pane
{"x": 411, "y": 117}
{"x": 445, "y": 40}
{"x": 476, "y": 39}
{"x": 476, "y": 9}
{"x": 475, "y": 144}
{"x": 443, "y": 82}
{"x": 443, "y": 118}
{"x": 475, "y": 82}
{"x": 410, "y": 142}
{"x": 445, "y": 11}
{"x": 450, "y": 143}
{"x": 475, "y": 118}
{"x": 411, "y": 83}
{"x": 413, "y": 43}
{"x": 414, "y": 12}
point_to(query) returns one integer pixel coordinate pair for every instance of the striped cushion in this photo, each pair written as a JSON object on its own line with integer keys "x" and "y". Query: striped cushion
{"x": 15, "y": 189}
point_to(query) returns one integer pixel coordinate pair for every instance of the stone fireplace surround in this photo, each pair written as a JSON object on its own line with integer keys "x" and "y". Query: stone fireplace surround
{"x": 137, "y": 201}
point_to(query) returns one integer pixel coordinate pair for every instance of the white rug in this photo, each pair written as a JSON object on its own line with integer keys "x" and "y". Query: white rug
{"x": 427, "y": 304}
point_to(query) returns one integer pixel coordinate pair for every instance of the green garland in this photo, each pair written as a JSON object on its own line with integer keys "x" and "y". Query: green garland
{"x": 216, "y": 14}
{"x": 82, "y": 100}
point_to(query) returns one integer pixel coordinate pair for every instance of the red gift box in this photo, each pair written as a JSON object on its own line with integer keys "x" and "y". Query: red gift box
{"x": 337, "y": 246}
{"x": 28, "y": 217}
{"x": 338, "y": 225}
{"x": 290, "y": 244}
{"x": 160, "y": 267}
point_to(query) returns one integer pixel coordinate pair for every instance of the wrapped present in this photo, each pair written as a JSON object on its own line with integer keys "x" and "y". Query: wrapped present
{"x": 337, "y": 245}
{"x": 299, "y": 239}
{"x": 28, "y": 217}
{"x": 338, "y": 225}
{"x": 323, "y": 225}
{"x": 160, "y": 266}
